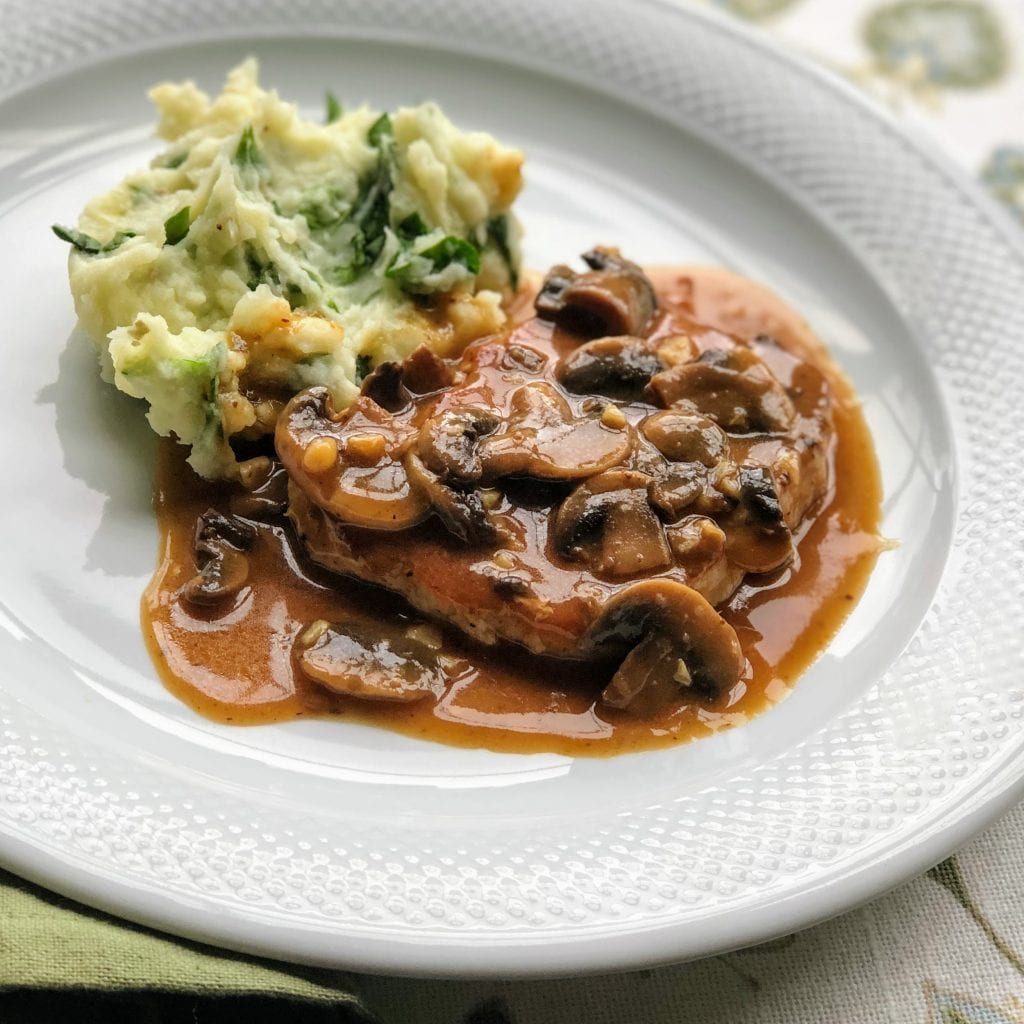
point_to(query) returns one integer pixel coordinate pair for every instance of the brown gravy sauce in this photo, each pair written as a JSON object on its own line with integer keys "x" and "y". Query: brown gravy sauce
{"x": 239, "y": 668}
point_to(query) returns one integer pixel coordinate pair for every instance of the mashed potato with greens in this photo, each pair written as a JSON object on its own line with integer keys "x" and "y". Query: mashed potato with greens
{"x": 262, "y": 253}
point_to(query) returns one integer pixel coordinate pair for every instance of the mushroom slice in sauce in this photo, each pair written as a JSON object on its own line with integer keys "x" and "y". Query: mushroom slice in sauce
{"x": 609, "y": 523}
{"x": 614, "y": 297}
{"x": 386, "y": 387}
{"x": 220, "y": 545}
{"x": 683, "y": 646}
{"x": 360, "y": 661}
{"x": 734, "y": 388}
{"x": 351, "y": 464}
{"x": 617, "y": 367}
{"x": 543, "y": 439}
{"x": 461, "y": 511}
{"x": 673, "y": 489}
{"x": 757, "y": 537}
{"x": 683, "y": 436}
{"x": 448, "y": 442}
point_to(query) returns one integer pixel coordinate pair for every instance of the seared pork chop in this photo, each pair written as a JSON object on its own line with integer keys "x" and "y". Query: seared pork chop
{"x": 571, "y": 491}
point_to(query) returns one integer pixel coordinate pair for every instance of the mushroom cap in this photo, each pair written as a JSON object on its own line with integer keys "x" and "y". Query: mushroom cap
{"x": 448, "y": 442}
{"x": 543, "y": 439}
{"x": 219, "y": 544}
{"x": 732, "y": 387}
{"x": 689, "y": 630}
{"x": 757, "y": 537}
{"x": 614, "y": 297}
{"x": 367, "y": 483}
{"x": 608, "y": 522}
{"x": 461, "y": 511}
{"x": 684, "y": 436}
{"x": 618, "y": 367}
{"x": 674, "y": 488}
{"x": 356, "y": 660}
{"x": 385, "y": 385}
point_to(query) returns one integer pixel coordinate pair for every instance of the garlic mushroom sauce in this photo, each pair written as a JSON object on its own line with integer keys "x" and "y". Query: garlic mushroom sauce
{"x": 240, "y": 661}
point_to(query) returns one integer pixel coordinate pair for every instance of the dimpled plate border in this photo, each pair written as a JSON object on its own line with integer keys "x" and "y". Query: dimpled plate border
{"x": 878, "y": 795}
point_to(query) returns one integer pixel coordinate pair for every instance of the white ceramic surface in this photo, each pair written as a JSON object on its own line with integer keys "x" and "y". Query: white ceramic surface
{"x": 679, "y": 138}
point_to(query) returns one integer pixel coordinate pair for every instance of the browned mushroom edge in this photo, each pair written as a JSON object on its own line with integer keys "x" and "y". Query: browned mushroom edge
{"x": 614, "y": 297}
{"x": 351, "y": 463}
{"x": 757, "y": 537}
{"x": 678, "y": 644}
{"x": 608, "y": 522}
{"x": 359, "y": 661}
{"x": 220, "y": 544}
{"x": 619, "y": 368}
{"x": 545, "y": 440}
{"x": 732, "y": 387}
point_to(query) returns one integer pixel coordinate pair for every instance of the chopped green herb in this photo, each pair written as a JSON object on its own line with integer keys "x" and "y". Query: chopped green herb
{"x": 334, "y": 109}
{"x": 412, "y": 227}
{"x": 497, "y": 231}
{"x": 121, "y": 236}
{"x": 174, "y": 162}
{"x": 454, "y": 250}
{"x": 409, "y": 267}
{"x": 295, "y": 295}
{"x": 86, "y": 243}
{"x": 176, "y": 226}
{"x": 364, "y": 364}
{"x": 261, "y": 270}
{"x": 344, "y": 273}
{"x": 372, "y": 211}
{"x": 247, "y": 153}
{"x": 379, "y": 130}
{"x": 325, "y": 208}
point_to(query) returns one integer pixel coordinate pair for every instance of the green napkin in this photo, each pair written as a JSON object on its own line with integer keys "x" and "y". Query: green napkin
{"x": 55, "y": 952}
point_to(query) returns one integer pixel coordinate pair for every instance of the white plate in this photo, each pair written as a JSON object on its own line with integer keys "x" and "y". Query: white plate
{"x": 678, "y": 137}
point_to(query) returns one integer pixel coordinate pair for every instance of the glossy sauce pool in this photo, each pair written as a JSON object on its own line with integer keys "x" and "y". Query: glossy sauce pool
{"x": 237, "y": 666}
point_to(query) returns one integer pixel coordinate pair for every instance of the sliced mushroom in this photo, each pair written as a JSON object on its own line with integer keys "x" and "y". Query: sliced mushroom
{"x": 219, "y": 544}
{"x": 683, "y": 436}
{"x": 448, "y": 442}
{"x": 608, "y": 522}
{"x": 614, "y": 297}
{"x": 617, "y": 367}
{"x": 650, "y": 678}
{"x": 351, "y": 464}
{"x": 357, "y": 661}
{"x": 461, "y": 511}
{"x": 757, "y": 537}
{"x": 673, "y": 489}
{"x": 543, "y": 439}
{"x": 684, "y": 646}
{"x": 386, "y": 387}
{"x": 734, "y": 388}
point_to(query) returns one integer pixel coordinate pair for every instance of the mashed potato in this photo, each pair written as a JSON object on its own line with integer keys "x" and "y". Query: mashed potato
{"x": 261, "y": 253}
